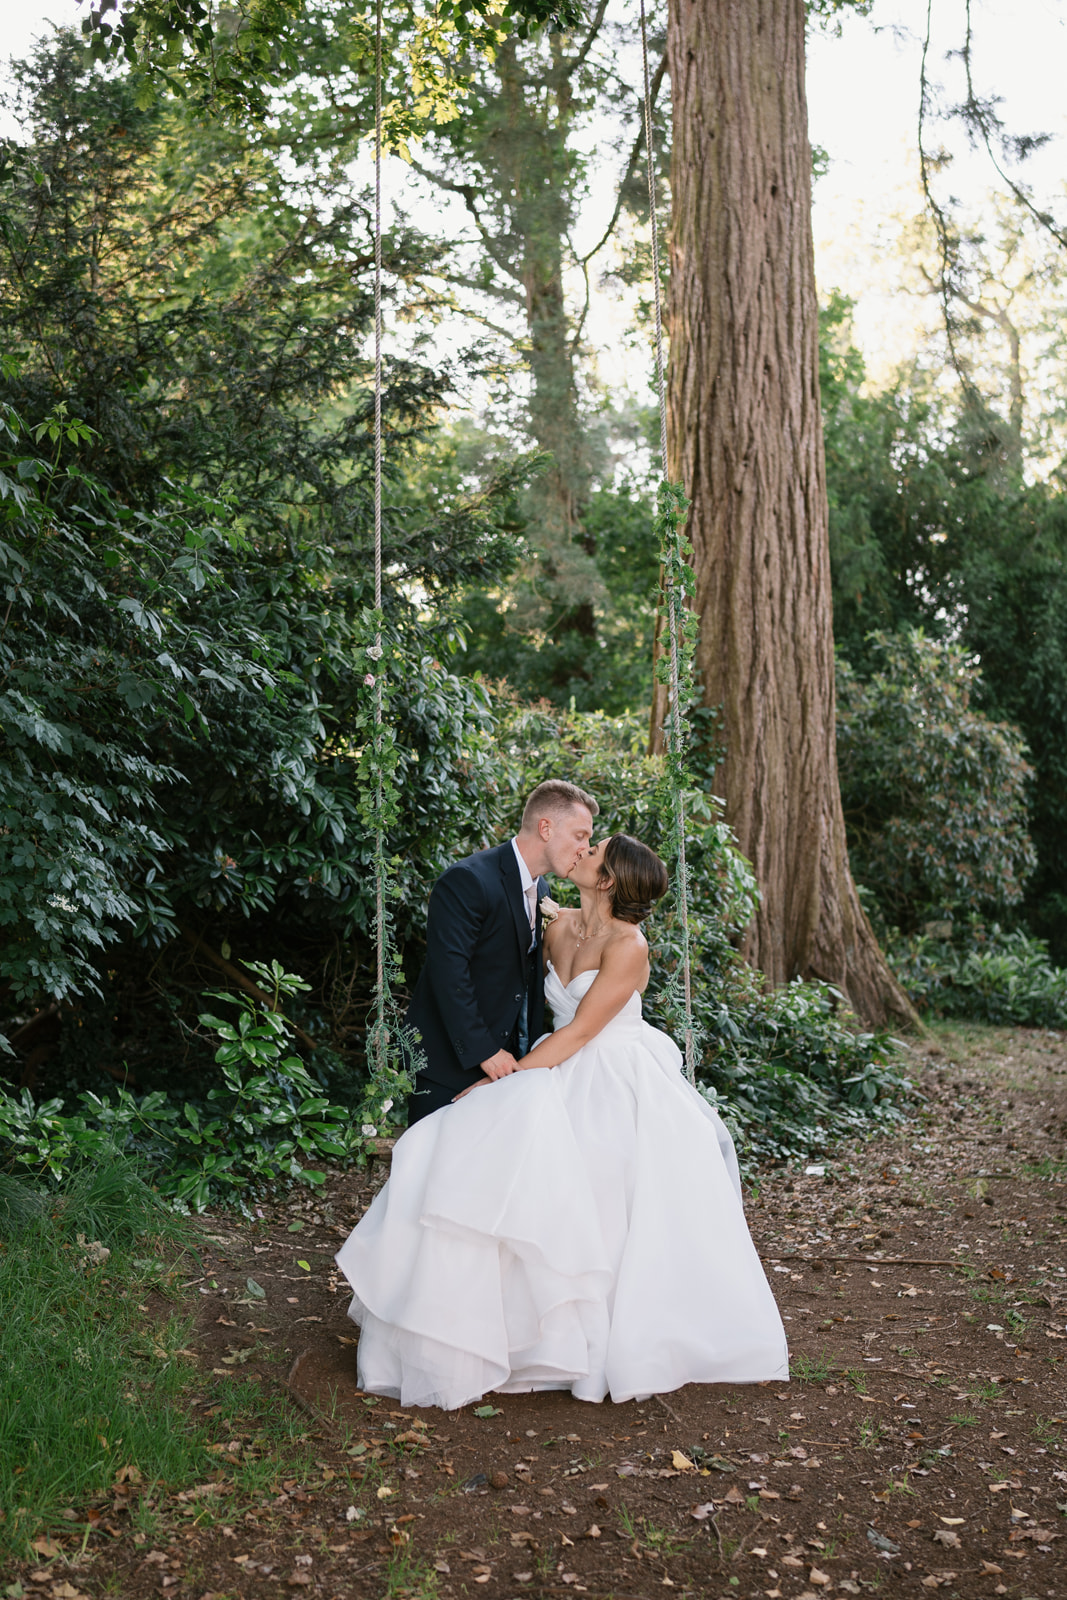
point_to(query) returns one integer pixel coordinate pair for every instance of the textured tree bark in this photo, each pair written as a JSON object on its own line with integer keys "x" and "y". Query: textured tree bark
{"x": 745, "y": 434}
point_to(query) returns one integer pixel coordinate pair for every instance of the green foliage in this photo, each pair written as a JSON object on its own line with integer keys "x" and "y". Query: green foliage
{"x": 934, "y": 793}
{"x": 87, "y": 1386}
{"x": 106, "y": 670}
{"x": 520, "y": 631}
{"x": 790, "y": 1072}
{"x": 787, "y": 1070}
{"x": 232, "y": 61}
{"x": 183, "y": 706}
{"x": 985, "y": 974}
{"x": 928, "y": 531}
{"x": 262, "y": 1125}
{"x": 94, "y": 1394}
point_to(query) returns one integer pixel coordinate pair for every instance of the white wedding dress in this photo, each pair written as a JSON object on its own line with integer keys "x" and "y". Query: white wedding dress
{"x": 575, "y": 1228}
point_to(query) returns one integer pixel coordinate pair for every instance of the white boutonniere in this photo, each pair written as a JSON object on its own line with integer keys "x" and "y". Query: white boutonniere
{"x": 549, "y": 908}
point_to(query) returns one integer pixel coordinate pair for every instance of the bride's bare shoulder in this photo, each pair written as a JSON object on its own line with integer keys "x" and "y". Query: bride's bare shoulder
{"x": 626, "y": 949}
{"x": 627, "y": 936}
{"x": 563, "y": 923}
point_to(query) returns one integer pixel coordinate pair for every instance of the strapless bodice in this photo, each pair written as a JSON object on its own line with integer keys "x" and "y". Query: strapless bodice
{"x": 565, "y": 998}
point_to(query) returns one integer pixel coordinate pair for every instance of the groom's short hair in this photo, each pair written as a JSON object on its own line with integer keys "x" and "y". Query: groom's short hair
{"x": 553, "y": 797}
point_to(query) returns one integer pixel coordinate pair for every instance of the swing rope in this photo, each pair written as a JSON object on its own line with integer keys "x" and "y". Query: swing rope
{"x": 671, "y": 507}
{"x": 671, "y": 504}
{"x": 380, "y": 1035}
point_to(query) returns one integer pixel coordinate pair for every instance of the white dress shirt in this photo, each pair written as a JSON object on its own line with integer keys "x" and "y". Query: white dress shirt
{"x": 529, "y": 885}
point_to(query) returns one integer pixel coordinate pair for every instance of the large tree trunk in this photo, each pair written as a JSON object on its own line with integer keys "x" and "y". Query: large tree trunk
{"x": 746, "y": 441}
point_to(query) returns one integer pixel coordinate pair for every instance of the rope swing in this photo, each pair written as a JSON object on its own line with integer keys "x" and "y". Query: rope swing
{"x": 380, "y": 1037}
{"x": 674, "y": 668}
{"x": 387, "y": 1037}
{"x": 678, "y": 586}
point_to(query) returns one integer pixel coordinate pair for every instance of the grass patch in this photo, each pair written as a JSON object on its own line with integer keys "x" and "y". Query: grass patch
{"x": 94, "y": 1387}
{"x": 810, "y": 1369}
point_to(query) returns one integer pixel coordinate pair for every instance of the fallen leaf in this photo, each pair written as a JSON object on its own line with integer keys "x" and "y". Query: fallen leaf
{"x": 952, "y": 1522}
{"x": 817, "y": 1577}
{"x": 945, "y": 1536}
{"x": 384, "y": 1492}
{"x": 592, "y": 1532}
{"x": 680, "y": 1462}
{"x": 702, "y": 1513}
{"x": 990, "y": 1568}
{"x": 46, "y": 1547}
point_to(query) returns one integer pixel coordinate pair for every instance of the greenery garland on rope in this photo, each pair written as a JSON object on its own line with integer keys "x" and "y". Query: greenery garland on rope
{"x": 388, "y": 1042}
{"x": 674, "y": 668}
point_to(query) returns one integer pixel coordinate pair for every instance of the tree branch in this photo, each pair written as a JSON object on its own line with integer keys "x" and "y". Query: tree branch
{"x": 635, "y": 152}
{"x": 240, "y": 978}
{"x": 468, "y": 194}
{"x": 571, "y": 67}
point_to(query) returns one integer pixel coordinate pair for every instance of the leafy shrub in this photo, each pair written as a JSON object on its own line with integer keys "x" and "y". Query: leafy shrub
{"x": 786, "y": 1068}
{"x": 265, "y": 1122}
{"x": 92, "y": 1392}
{"x": 934, "y": 793}
{"x": 985, "y": 974}
{"x": 789, "y": 1073}
{"x": 185, "y": 582}
{"x": 77, "y": 1362}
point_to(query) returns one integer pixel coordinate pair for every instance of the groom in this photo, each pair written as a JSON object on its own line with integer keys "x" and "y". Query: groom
{"x": 480, "y": 998}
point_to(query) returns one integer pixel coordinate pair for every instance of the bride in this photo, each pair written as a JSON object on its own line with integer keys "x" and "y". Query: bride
{"x": 577, "y": 1224}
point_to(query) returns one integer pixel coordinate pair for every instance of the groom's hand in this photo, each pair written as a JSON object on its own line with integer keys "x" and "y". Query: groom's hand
{"x": 500, "y": 1065}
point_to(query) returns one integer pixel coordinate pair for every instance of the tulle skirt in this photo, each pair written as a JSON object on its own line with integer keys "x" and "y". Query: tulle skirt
{"x": 576, "y": 1228}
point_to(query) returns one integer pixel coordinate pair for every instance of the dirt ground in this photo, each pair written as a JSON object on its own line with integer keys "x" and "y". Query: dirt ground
{"x": 918, "y": 1446}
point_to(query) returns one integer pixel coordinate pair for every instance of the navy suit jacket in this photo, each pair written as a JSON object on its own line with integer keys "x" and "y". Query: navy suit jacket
{"x": 468, "y": 1000}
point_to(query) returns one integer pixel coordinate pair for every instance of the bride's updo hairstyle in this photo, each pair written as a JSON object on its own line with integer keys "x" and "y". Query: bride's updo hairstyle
{"x": 638, "y": 874}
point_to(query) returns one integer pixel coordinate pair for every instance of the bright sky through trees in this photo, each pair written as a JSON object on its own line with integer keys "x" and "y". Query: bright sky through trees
{"x": 863, "y": 91}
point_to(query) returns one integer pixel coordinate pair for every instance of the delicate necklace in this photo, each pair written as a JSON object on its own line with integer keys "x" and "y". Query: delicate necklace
{"x": 582, "y": 937}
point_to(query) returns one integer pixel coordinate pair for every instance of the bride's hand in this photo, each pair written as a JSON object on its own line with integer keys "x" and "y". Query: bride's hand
{"x": 478, "y": 1083}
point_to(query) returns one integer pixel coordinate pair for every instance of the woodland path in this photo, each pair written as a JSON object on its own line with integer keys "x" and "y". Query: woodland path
{"x": 918, "y": 1447}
